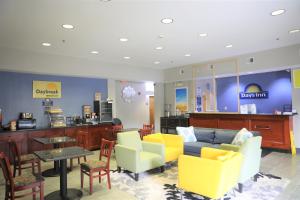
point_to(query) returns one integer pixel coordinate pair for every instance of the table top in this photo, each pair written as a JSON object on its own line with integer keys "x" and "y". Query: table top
{"x": 54, "y": 140}
{"x": 62, "y": 153}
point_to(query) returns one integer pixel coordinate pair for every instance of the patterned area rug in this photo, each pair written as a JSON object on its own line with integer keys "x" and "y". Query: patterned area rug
{"x": 154, "y": 185}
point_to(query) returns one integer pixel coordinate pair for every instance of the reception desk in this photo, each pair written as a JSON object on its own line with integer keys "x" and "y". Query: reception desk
{"x": 275, "y": 129}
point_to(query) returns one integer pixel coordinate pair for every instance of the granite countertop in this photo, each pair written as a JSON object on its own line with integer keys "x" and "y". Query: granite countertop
{"x": 54, "y": 140}
{"x": 47, "y": 127}
{"x": 62, "y": 153}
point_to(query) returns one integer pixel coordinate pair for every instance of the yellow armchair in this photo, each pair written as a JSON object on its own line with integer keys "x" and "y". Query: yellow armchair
{"x": 173, "y": 144}
{"x": 212, "y": 175}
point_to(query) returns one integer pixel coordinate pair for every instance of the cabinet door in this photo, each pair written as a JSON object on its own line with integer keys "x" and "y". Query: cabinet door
{"x": 94, "y": 137}
{"x": 34, "y": 145}
{"x": 235, "y": 124}
{"x": 272, "y": 132}
{"x": 72, "y": 132}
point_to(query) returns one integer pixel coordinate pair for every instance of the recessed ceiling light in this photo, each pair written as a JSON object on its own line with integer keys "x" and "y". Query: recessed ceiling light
{"x": 187, "y": 55}
{"x": 46, "y": 44}
{"x": 167, "y": 21}
{"x": 156, "y": 62}
{"x": 161, "y": 36}
{"x": 159, "y": 48}
{"x": 68, "y": 26}
{"x": 229, "y": 46}
{"x": 126, "y": 57}
{"x": 94, "y": 52}
{"x": 203, "y": 34}
{"x": 294, "y": 31}
{"x": 123, "y": 39}
{"x": 277, "y": 12}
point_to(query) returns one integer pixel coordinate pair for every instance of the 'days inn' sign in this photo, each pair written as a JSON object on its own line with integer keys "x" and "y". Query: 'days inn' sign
{"x": 254, "y": 91}
{"x": 46, "y": 89}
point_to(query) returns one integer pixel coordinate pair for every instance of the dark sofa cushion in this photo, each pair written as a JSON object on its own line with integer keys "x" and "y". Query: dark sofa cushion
{"x": 224, "y": 136}
{"x": 204, "y": 134}
{"x": 194, "y": 148}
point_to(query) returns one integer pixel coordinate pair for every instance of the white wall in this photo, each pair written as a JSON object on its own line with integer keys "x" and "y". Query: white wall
{"x": 34, "y": 62}
{"x": 275, "y": 59}
{"x": 133, "y": 114}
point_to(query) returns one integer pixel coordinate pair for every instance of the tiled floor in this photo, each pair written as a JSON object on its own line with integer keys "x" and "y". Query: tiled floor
{"x": 280, "y": 164}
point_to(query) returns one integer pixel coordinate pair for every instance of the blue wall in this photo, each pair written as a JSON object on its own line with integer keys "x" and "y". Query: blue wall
{"x": 16, "y": 95}
{"x": 278, "y": 84}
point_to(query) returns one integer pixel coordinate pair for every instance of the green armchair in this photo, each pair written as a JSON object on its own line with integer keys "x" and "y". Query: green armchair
{"x": 136, "y": 156}
{"x": 251, "y": 150}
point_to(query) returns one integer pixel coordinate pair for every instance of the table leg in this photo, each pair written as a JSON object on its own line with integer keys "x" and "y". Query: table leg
{"x": 64, "y": 193}
{"x": 55, "y": 170}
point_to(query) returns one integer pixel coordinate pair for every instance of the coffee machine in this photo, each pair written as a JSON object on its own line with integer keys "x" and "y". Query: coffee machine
{"x": 26, "y": 121}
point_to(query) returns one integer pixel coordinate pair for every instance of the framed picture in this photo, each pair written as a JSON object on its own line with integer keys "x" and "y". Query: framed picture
{"x": 181, "y": 100}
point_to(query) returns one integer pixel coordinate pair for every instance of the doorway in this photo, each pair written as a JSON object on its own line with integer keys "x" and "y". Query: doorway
{"x": 151, "y": 109}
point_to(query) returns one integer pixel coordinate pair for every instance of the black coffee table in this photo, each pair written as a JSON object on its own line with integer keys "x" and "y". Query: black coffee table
{"x": 55, "y": 141}
{"x": 61, "y": 155}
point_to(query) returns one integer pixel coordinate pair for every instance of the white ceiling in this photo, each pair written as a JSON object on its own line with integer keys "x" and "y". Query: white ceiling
{"x": 246, "y": 24}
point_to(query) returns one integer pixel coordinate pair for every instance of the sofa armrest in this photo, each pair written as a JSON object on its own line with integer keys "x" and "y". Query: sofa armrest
{"x": 127, "y": 157}
{"x": 211, "y": 153}
{"x": 230, "y": 147}
{"x": 149, "y": 138}
{"x": 154, "y": 148}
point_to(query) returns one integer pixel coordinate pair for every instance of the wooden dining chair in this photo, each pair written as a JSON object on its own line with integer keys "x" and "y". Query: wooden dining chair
{"x": 143, "y": 132}
{"x": 100, "y": 166}
{"x": 148, "y": 126}
{"x": 23, "y": 161}
{"x": 35, "y": 182}
{"x": 81, "y": 142}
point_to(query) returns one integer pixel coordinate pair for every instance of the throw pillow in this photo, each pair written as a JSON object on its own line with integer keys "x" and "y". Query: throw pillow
{"x": 241, "y": 137}
{"x": 187, "y": 133}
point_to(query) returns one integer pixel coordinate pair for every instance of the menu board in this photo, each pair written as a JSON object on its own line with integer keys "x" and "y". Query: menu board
{"x": 46, "y": 89}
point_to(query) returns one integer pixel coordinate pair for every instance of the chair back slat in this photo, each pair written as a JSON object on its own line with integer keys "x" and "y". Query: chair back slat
{"x": 106, "y": 149}
{"x": 15, "y": 153}
{"x": 5, "y": 166}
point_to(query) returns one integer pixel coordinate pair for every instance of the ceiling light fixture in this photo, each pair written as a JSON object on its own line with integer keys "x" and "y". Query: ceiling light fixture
{"x": 68, "y": 26}
{"x": 294, "y": 31}
{"x": 159, "y": 48}
{"x": 167, "y": 21}
{"x": 46, "y": 44}
{"x": 187, "y": 55}
{"x": 229, "y": 46}
{"x": 156, "y": 62}
{"x": 123, "y": 39}
{"x": 203, "y": 34}
{"x": 94, "y": 52}
{"x": 126, "y": 57}
{"x": 277, "y": 12}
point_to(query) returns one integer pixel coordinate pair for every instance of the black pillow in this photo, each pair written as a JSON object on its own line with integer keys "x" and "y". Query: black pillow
{"x": 204, "y": 134}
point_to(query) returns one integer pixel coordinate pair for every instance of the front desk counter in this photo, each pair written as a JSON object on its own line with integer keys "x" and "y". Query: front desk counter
{"x": 26, "y": 143}
{"x": 275, "y": 129}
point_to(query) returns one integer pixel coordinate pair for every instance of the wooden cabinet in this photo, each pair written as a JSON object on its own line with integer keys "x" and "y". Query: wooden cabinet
{"x": 96, "y": 133}
{"x": 27, "y": 144}
{"x": 274, "y": 129}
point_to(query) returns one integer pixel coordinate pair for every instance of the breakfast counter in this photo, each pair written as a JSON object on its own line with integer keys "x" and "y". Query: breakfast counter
{"x": 26, "y": 143}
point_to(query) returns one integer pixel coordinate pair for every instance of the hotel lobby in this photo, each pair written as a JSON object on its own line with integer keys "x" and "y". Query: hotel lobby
{"x": 150, "y": 99}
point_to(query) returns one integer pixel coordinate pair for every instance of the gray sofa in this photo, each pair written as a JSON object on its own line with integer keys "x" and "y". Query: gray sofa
{"x": 210, "y": 137}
